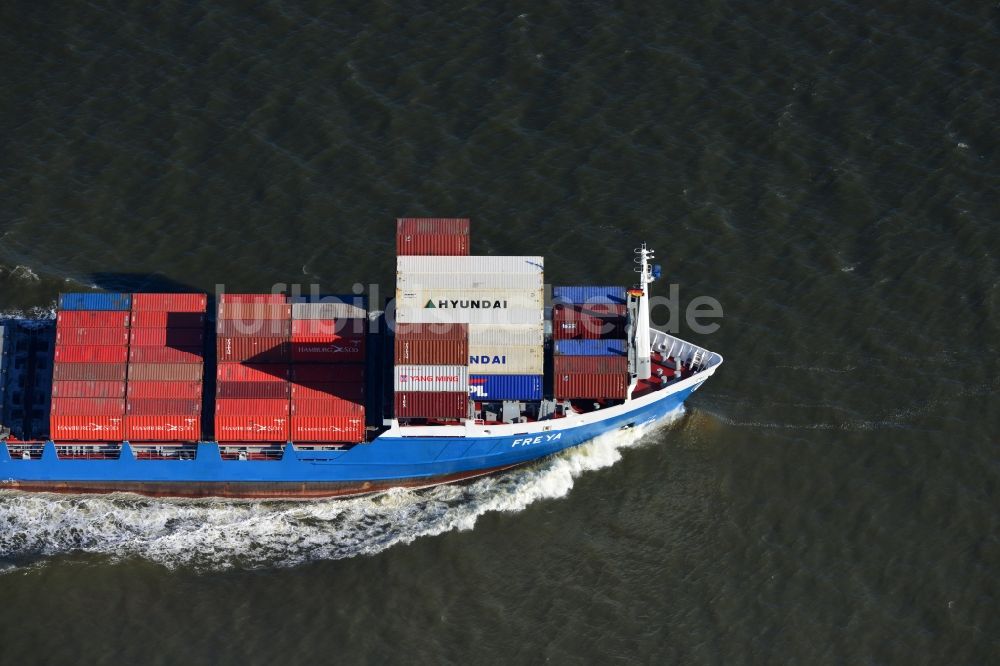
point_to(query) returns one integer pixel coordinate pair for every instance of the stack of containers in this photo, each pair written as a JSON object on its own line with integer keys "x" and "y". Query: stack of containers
{"x": 499, "y": 301}
{"x": 89, "y": 375}
{"x": 431, "y": 357}
{"x": 166, "y": 367}
{"x": 430, "y": 372}
{"x": 253, "y": 334}
{"x": 329, "y": 330}
{"x": 590, "y": 358}
{"x": 589, "y": 313}
{"x": 506, "y": 362}
{"x": 328, "y": 372}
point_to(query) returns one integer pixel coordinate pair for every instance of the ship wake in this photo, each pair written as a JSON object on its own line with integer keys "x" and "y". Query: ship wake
{"x": 226, "y": 534}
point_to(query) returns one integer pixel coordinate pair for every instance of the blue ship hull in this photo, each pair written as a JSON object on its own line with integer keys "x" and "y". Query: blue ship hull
{"x": 386, "y": 462}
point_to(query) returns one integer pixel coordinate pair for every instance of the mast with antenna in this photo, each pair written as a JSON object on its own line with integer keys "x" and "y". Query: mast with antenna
{"x": 640, "y": 366}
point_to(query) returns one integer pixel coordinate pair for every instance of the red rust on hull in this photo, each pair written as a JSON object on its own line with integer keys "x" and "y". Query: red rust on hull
{"x": 243, "y": 490}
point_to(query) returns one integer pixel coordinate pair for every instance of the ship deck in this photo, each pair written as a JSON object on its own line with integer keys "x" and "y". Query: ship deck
{"x": 398, "y": 453}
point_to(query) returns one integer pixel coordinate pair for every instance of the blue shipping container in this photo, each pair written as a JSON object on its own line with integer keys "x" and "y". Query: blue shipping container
{"x": 505, "y": 387}
{"x": 590, "y": 348}
{"x": 585, "y": 295}
{"x": 86, "y": 301}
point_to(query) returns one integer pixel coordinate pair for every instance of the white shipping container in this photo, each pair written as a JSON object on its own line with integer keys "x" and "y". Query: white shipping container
{"x": 451, "y": 299}
{"x": 409, "y": 281}
{"x": 492, "y": 316}
{"x": 507, "y": 336}
{"x": 327, "y": 311}
{"x": 470, "y": 264}
{"x": 431, "y": 378}
{"x": 499, "y": 360}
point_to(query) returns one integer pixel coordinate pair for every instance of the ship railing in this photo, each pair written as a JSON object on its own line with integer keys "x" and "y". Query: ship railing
{"x": 185, "y": 451}
{"x": 25, "y": 450}
{"x": 33, "y": 450}
{"x": 88, "y": 451}
{"x": 695, "y": 357}
{"x": 267, "y": 452}
{"x": 333, "y": 446}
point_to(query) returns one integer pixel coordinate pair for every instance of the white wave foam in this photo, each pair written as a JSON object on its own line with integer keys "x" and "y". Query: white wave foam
{"x": 217, "y": 534}
{"x": 24, "y": 273}
{"x": 36, "y": 316}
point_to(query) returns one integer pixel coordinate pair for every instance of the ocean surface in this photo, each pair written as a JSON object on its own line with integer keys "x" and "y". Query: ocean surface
{"x": 827, "y": 171}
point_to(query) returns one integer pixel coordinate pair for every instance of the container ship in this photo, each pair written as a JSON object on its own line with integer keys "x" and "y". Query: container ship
{"x": 475, "y": 367}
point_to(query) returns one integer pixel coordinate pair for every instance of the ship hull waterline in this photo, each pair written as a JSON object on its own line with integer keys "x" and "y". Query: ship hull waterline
{"x": 389, "y": 461}
{"x": 241, "y": 489}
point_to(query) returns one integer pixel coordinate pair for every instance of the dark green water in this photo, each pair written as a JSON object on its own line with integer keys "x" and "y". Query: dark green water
{"x": 827, "y": 171}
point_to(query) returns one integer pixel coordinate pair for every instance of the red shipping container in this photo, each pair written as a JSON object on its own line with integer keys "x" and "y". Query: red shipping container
{"x": 245, "y": 428}
{"x": 257, "y": 390}
{"x": 88, "y": 389}
{"x": 91, "y": 319}
{"x": 168, "y": 337}
{"x": 253, "y": 328}
{"x": 239, "y": 372}
{"x": 348, "y": 350}
{"x": 251, "y": 407}
{"x": 432, "y": 236}
{"x": 342, "y": 372}
{"x": 165, "y": 355}
{"x": 327, "y": 330}
{"x": 87, "y": 428}
{"x": 167, "y": 319}
{"x": 252, "y": 298}
{"x": 160, "y": 407}
{"x": 164, "y": 390}
{"x": 432, "y": 352}
{"x": 316, "y": 328}
{"x": 163, "y": 428}
{"x": 88, "y": 406}
{"x": 327, "y": 407}
{"x": 422, "y": 226}
{"x": 588, "y": 329}
{"x": 328, "y": 428}
{"x": 583, "y": 386}
{"x": 590, "y": 364}
{"x": 255, "y": 311}
{"x": 252, "y": 350}
{"x": 327, "y": 390}
{"x": 443, "y": 331}
{"x": 165, "y": 372}
{"x": 82, "y": 354}
{"x": 590, "y": 377}
{"x": 169, "y": 302}
{"x": 91, "y": 336}
{"x": 577, "y": 322}
{"x": 108, "y": 372}
{"x": 431, "y": 405}
{"x": 432, "y": 245}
